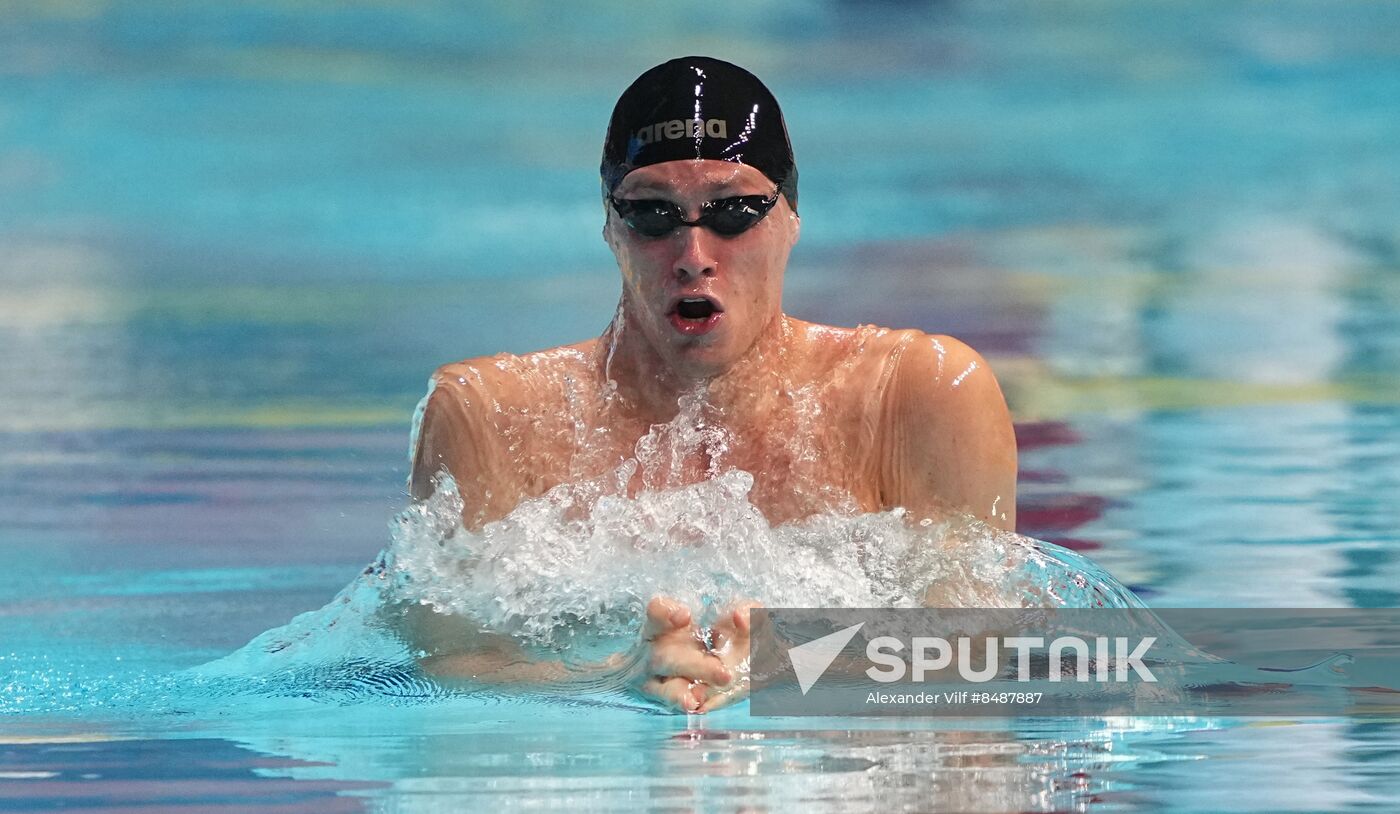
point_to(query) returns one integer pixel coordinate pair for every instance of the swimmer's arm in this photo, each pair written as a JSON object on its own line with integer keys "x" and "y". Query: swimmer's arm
{"x": 507, "y": 666}
{"x": 456, "y": 437}
{"x": 668, "y": 664}
{"x": 451, "y": 648}
{"x": 948, "y": 446}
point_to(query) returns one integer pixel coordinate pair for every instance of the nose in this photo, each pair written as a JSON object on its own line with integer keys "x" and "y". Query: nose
{"x": 697, "y": 256}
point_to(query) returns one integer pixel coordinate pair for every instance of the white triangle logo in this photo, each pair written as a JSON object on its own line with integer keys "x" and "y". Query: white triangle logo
{"x": 810, "y": 660}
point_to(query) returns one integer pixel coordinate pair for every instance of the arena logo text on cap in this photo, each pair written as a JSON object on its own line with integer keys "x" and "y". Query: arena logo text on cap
{"x": 682, "y": 110}
{"x": 676, "y": 128}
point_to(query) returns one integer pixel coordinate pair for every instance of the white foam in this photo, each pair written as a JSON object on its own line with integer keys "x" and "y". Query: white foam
{"x": 584, "y": 555}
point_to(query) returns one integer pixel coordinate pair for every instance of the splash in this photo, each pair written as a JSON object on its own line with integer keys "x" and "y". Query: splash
{"x": 581, "y": 558}
{"x": 568, "y": 574}
{"x": 677, "y": 512}
{"x": 565, "y": 576}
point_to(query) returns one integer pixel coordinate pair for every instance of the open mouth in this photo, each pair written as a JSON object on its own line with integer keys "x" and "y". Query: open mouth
{"x": 695, "y": 315}
{"x": 698, "y": 308}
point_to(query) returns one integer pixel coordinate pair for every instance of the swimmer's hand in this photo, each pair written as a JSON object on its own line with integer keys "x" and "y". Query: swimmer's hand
{"x": 731, "y": 644}
{"x": 672, "y": 664}
{"x": 678, "y": 670}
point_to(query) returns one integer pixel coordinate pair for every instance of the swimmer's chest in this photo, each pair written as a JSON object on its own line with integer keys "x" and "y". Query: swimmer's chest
{"x": 800, "y": 464}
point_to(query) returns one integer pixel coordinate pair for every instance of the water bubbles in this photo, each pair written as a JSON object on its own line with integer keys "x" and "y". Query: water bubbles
{"x": 674, "y": 509}
{"x": 587, "y": 556}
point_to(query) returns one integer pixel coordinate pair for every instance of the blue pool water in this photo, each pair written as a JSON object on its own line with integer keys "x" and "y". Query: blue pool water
{"x": 233, "y": 244}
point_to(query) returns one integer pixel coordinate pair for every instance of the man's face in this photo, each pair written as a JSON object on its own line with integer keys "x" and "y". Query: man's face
{"x": 664, "y": 278}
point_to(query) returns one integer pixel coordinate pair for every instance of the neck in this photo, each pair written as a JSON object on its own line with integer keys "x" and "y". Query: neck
{"x": 653, "y": 387}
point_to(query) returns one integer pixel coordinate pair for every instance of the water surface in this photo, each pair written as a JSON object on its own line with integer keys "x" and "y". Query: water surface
{"x": 234, "y": 243}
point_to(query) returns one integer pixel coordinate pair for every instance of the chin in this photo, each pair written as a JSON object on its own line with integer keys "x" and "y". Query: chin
{"x": 699, "y": 361}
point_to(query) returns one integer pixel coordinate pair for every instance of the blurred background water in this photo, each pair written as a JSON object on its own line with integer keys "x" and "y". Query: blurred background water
{"x": 235, "y": 240}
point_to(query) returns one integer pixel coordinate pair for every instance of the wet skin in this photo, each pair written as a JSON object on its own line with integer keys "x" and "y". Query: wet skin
{"x": 825, "y": 418}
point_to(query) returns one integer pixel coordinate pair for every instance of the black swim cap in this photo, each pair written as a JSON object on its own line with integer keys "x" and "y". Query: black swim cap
{"x": 696, "y": 108}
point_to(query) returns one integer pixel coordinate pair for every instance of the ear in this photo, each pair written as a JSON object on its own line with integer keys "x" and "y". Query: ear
{"x": 794, "y": 221}
{"x": 607, "y": 226}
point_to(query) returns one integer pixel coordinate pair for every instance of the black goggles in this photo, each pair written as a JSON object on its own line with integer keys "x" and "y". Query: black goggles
{"x": 726, "y": 216}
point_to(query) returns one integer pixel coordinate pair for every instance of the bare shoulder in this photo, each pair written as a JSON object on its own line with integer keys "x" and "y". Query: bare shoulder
{"x": 832, "y": 346}
{"x": 928, "y": 366}
{"x": 944, "y": 369}
{"x": 946, "y": 393}
{"x": 478, "y": 408}
{"x": 447, "y": 428}
{"x": 505, "y": 380}
{"x": 952, "y": 440}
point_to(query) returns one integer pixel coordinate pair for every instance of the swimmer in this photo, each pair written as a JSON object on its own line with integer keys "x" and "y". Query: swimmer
{"x": 699, "y": 186}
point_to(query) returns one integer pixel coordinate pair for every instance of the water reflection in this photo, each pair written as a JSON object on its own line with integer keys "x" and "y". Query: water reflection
{"x": 445, "y": 759}
{"x": 1171, "y": 226}
{"x": 1225, "y": 397}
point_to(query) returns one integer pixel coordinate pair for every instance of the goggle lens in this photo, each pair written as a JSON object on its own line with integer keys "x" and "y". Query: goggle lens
{"x": 726, "y": 216}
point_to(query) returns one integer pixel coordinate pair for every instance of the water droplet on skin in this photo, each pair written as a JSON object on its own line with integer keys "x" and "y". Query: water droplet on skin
{"x": 675, "y": 513}
{"x": 585, "y": 555}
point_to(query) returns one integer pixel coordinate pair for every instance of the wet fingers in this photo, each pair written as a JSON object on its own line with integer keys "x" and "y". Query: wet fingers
{"x": 691, "y": 661}
{"x": 733, "y": 630}
{"x": 664, "y": 614}
{"x": 675, "y": 691}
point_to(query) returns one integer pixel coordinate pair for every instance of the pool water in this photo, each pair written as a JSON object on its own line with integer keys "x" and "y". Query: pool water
{"x": 234, "y": 243}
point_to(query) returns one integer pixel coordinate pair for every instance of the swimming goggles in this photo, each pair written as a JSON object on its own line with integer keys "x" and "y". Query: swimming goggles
{"x": 726, "y": 216}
